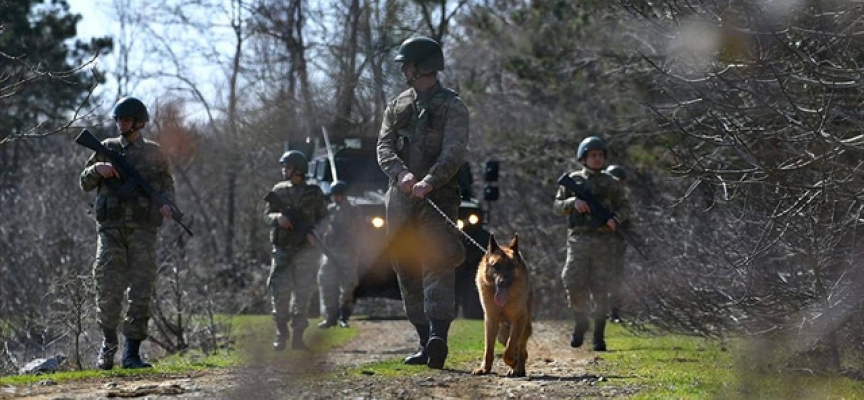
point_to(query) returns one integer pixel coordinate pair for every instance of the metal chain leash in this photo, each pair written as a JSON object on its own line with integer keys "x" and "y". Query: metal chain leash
{"x": 454, "y": 225}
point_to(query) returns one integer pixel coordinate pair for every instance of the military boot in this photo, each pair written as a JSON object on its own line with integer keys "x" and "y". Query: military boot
{"x": 344, "y": 314}
{"x": 282, "y": 335}
{"x": 614, "y": 315}
{"x": 436, "y": 348}
{"x": 420, "y": 358}
{"x": 599, "y": 329}
{"x": 105, "y": 361}
{"x": 131, "y": 358}
{"x": 579, "y": 330}
{"x": 297, "y": 340}
{"x": 328, "y": 322}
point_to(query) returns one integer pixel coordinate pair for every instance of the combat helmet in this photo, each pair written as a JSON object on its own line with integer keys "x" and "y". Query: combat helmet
{"x": 131, "y": 107}
{"x": 423, "y": 51}
{"x": 338, "y": 187}
{"x": 591, "y": 143}
{"x": 296, "y": 159}
{"x": 617, "y": 171}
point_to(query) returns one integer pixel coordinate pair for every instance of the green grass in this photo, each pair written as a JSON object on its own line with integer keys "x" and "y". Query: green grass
{"x": 252, "y": 335}
{"x": 683, "y": 367}
{"x": 662, "y": 366}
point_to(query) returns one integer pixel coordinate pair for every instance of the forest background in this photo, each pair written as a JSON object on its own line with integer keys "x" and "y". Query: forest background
{"x": 739, "y": 124}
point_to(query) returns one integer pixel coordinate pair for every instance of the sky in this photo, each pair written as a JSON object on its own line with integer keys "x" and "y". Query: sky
{"x": 97, "y": 21}
{"x": 94, "y": 22}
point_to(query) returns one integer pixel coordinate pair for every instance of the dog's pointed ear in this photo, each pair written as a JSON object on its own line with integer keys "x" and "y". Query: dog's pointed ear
{"x": 493, "y": 245}
{"x": 514, "y": 244}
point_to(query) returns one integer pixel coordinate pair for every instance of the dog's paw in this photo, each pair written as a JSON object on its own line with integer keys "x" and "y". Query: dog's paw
{"x": 516, "y": 373}
{"x": 481, "y": 371}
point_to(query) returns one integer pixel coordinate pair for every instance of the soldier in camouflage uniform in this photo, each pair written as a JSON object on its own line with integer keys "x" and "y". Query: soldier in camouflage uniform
{"x": 127, "y": 227}
{"x": 421, "y": 147}
{"x": 295, "y": 258}
{"x": 337, "y": 279}
{"x": 616, "y": 277}
{"x": 591, "y": 244}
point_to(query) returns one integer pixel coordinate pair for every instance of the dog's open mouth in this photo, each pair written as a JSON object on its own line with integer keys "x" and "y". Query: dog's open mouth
{"x": 500, "y": 296}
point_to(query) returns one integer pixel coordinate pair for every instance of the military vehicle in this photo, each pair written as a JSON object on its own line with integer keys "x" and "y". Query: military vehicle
{"x": 356, "y": 164}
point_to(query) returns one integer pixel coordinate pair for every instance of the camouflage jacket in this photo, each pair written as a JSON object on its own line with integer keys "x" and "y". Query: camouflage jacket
{"x": 605, "y": 188}
{"x": 308, "y": 199}
{"x": 425, "y": 133}
{"x": 136, "y": 210}
{"x": 344, "y": 224}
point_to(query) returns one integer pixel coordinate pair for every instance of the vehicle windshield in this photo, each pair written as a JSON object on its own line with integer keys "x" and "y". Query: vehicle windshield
{"x": 361, "y": 169}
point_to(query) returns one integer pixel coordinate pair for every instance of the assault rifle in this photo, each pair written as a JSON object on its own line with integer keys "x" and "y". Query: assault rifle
{"x": 131, "y": 180}
{"x": 298, "y": 222}
{"x": 600, "y": 213}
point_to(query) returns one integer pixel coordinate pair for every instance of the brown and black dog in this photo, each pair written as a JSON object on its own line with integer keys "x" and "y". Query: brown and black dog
{"x": 505, "y": 292}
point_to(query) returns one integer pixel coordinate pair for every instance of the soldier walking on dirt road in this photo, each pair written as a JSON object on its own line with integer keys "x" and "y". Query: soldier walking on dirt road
{"x": 421, "y": 147}
{"x": 337, "y": 278}
{"x": 295, "y": 259}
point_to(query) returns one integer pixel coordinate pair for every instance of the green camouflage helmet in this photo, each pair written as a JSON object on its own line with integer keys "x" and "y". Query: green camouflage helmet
{"x": 424, "y": 52}
{"x": 338, "y": 187}
{"x": 295, "y": 159}
{"x": 591, "y": 143}
{"x": 133, "y": 108}
{"x": 617, "y": 171}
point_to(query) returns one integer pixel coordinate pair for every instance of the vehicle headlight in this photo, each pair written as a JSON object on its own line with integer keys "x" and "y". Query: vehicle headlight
{"x": 460, "y": 224}
{"x": 378, "y": 222}
{"x": 473, "y": 219}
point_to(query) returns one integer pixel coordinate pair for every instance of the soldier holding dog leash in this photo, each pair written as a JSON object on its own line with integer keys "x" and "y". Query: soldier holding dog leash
{"x": 421, "y": 147}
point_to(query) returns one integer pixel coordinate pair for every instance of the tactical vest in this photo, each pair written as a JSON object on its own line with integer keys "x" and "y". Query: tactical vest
{"x": 600, "y": 186}
{"x": 133, "y": 208}
{"x": 420, "y": 129}
{"x": 291, "y": 237}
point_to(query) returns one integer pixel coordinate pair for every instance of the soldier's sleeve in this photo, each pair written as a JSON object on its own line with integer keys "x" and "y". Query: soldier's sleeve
{"x": 564, "y": 201}
{"x": 167, "y": 179}
{"x": 453, "y": 145}
{"x": 271, "y": 214}
{"x": 388, "y": 158}
{"x": 89, "y": 178}
{"x": 321, "y": 210}
{"x": 620, "y": 203}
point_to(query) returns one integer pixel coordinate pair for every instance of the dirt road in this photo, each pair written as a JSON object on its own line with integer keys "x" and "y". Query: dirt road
{"x": 554, "y": 371}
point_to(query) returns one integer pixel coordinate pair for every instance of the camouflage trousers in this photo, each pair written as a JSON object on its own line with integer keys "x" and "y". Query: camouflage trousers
{"x": 125, "y": 259}
{"x": 591, "y": 260}
{"x": 616, "y": 276}
{"x": 425, "y": 251}
{"x": 292, "y": 283}
{"x": 336, "y": 283}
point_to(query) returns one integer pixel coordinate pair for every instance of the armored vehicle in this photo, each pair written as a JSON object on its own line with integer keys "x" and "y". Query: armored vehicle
{"x": 356, "y": 164}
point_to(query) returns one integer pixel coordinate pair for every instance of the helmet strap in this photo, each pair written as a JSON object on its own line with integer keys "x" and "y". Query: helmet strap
{"x": 419, "y": 75}
{"x": 135, "y": 128}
